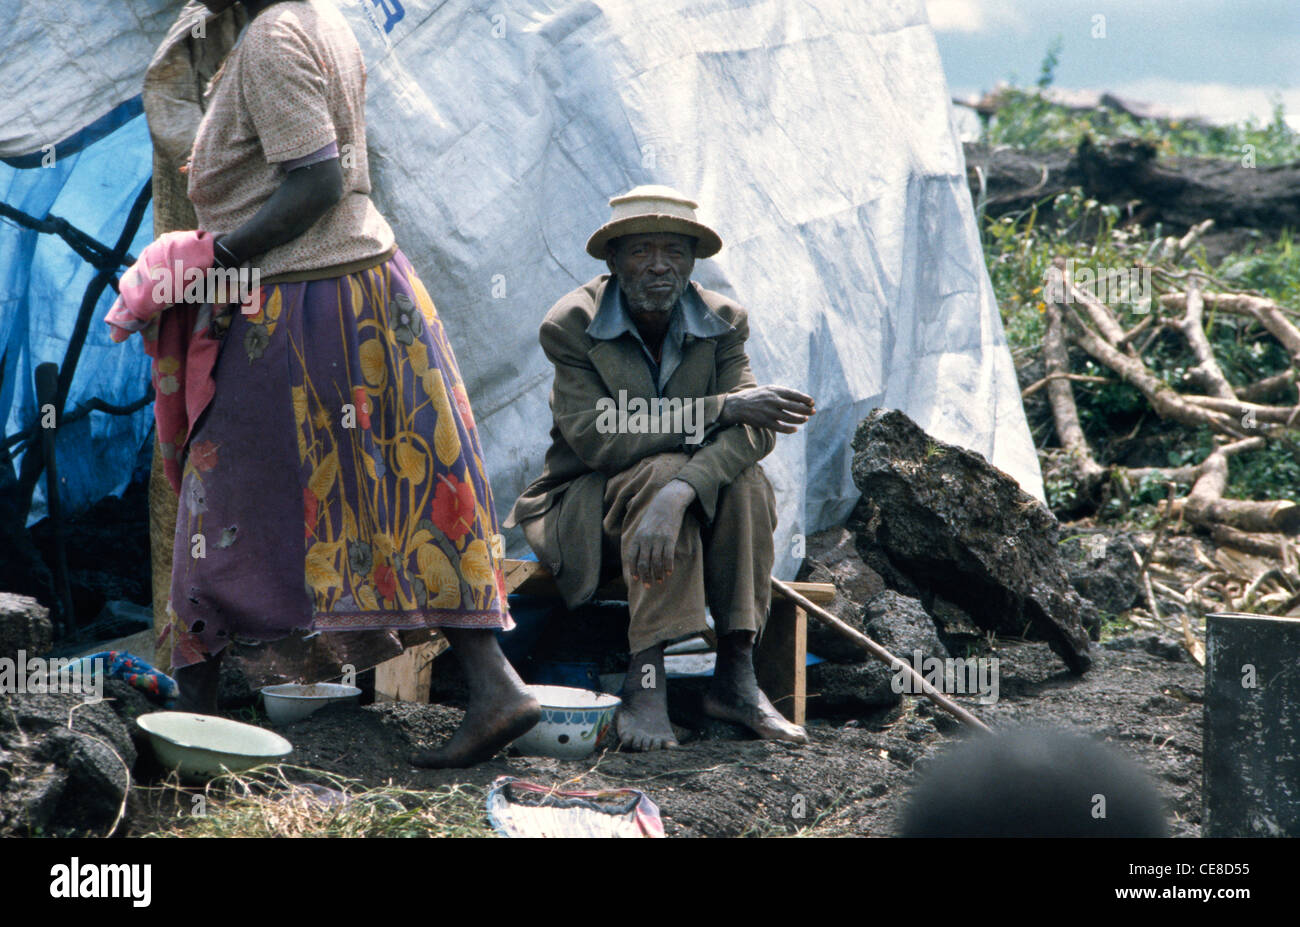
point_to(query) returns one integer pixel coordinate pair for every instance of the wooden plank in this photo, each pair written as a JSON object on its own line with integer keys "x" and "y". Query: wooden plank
{"x": 780, "y": 659}
{"x": 520, "y": 573}
{"x": 409, "y": 675}
{"x": 817, "y": 593}
{"x": 528, "y": 577}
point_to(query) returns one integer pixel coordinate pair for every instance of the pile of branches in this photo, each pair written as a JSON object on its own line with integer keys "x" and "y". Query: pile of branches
{"x": 1241, "y": 418}
{"x": 1178, "y": 594}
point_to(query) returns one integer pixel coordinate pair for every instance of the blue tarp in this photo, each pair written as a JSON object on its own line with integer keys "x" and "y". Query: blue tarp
{"x": 42, "y": 282}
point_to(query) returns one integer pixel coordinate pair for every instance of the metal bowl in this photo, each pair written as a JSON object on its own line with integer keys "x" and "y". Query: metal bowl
{"x": 292, "y": 702}
{"x": 203, "y": 746}
{"x": 574, "y": 722}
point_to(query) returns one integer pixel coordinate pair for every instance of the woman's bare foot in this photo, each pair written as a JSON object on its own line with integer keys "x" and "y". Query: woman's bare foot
{"x": 735, "y": 696}
{"x": 500, "y": 709}
{"x": 642, "y": 720}
{"x": 488, "y": 727}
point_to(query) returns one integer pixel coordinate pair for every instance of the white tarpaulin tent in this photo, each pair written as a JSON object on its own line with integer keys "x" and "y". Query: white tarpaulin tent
{"x": 817, "y": 138}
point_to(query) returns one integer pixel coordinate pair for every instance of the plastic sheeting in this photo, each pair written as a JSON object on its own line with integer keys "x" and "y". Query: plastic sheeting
{"x": 42, "y": 282}
{"x": 817, "y": 138}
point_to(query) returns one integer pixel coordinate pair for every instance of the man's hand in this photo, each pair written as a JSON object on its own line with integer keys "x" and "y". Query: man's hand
{"x": 651, "y": 546}
{"x": 776, "y": 407}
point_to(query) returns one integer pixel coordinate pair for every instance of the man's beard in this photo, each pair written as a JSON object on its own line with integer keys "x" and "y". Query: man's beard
{"x": 642, "y": 301}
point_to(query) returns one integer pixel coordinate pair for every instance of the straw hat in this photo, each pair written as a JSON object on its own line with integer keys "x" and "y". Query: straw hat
{"x": 654, "y": 208}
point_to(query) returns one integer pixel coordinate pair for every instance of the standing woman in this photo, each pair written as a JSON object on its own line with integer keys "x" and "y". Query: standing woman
{"x": 336, "y": 476}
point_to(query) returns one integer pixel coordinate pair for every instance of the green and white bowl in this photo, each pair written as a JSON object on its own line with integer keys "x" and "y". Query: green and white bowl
{"x": 574, "y": 722}
{"x": 203, "y": 746}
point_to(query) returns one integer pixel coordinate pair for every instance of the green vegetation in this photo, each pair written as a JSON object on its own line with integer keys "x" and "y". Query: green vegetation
{"x": 1115, "y": 417}
{"x": 1027, "y": 119}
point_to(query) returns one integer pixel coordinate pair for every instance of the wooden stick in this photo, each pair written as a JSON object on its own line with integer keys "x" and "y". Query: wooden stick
{"x": 1267, "y": 313}
{"x": 1192, "y": 326}
{"x": 1261, "y": 544}
{"x": 1076, "y": 377}
{"x": 1205, "y": 504}
{"x": 881, "y": 654}
{"x": 1060, "y": 396}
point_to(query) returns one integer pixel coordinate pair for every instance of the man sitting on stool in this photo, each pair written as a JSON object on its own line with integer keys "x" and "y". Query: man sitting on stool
{"x": 658, "y": 429}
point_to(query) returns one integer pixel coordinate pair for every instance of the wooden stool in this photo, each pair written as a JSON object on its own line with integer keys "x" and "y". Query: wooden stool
{"x": 780, "y": 659}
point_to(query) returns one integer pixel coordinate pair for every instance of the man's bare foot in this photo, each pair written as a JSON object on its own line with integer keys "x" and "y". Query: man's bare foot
{"x": 735, "y": 696}
{"x": 642, "y": 720}
{"x": 500, "y": 709}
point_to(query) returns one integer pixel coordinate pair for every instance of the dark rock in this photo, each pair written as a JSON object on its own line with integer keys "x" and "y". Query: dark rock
{"x": 30, "y": 797}
{"x": 951, "y": 620}
{"x": 73, "y": 758}
{"x": 958, "y": 527}
{"x": 832, "y": 557}
{"x": 863, "y": 522}
{"x": 130, "y": 703}
{"x": 838, "y": 689}
{"x": 24, "y": 625}
{"x": 900, "y": 625}
{"x": 35, "y": 715}
{"x": 98, "y": 778}
{"x": 1102, "y": 570}
{"x": 1153, "y": 644}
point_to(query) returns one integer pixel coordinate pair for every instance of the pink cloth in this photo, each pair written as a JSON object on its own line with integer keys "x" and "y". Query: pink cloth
{"x": 183, "y": 349}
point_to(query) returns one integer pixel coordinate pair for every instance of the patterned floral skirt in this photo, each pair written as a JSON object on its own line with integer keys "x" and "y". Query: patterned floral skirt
{"x": 335, "y": 483}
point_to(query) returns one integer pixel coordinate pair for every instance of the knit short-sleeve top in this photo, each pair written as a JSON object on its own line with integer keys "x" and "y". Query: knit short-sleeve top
{"x": 294, "y": 83}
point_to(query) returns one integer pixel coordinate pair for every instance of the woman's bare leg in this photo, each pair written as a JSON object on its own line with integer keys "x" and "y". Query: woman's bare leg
{"x": 199, "y": 683}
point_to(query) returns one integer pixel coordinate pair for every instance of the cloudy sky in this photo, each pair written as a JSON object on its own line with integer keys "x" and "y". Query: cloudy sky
{"x": 1224, "y": 59}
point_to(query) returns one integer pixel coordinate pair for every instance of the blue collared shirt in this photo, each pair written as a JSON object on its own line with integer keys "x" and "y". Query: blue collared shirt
{"x": 689, "y": 317}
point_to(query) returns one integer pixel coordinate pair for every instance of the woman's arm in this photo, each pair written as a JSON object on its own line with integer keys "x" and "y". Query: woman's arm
{"x": 303, "y": 197}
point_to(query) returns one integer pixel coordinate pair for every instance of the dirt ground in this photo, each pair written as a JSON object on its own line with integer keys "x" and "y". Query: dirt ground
{"x": 854, "y": 776}
{"x": 852, "y": 779}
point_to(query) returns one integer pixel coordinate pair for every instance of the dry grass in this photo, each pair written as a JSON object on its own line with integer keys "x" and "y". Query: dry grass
{"x": 275, "y": 801}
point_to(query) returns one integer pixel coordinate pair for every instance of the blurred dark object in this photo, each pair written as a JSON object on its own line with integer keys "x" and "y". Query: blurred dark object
{"x": 1033, "y": 784}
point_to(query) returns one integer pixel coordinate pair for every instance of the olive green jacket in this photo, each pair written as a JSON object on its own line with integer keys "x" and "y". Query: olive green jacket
{"x": 562, "y": 510}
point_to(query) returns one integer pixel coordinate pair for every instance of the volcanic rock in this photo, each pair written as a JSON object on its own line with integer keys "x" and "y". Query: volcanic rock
{"x": 953, "y": 525}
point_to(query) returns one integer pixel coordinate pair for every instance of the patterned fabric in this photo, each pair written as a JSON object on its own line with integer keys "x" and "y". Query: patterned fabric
{"x": 336, "y": 481}
{"x": 135, "y": 671}
{"x": 294, "y": 83}
{"x": 177, "y": 338}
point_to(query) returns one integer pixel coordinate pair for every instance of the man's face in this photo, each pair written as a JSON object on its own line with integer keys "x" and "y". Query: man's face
{"x": 653, "y": 270}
